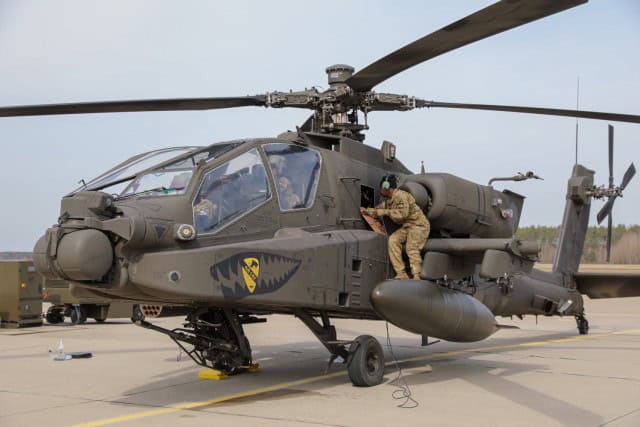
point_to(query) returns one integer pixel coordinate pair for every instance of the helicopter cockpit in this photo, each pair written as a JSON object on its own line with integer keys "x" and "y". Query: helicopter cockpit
{"x": 239, "y": 185}
{"x": 225, "y": 191}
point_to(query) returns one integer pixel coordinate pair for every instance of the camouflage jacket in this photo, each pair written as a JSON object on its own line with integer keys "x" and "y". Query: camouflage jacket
{"x": 402, "y": 209}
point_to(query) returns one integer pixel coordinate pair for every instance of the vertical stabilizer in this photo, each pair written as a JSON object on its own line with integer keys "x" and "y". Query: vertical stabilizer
{"x": 575, "y": 222}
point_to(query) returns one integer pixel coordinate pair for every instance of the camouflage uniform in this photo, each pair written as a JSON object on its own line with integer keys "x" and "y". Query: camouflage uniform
{"x": 290, "y": 200}
{"x": 402, "y": 209}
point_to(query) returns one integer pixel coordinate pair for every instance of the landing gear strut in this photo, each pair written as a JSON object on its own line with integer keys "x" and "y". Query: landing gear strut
{"x": 216, "y": 338}
{"x": 582, "y": 323}
{"x": 364, "y": 358}
{"x": 78, "y": 314}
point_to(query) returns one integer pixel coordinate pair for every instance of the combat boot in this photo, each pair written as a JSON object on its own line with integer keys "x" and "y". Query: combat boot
{"x": 402, "y": 276}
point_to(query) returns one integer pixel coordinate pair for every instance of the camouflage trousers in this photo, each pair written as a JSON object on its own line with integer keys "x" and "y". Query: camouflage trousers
{"x": 415, "y": 238}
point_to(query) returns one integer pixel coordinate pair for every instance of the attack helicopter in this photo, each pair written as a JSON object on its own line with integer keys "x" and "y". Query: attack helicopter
{"x": 237, "y": 230}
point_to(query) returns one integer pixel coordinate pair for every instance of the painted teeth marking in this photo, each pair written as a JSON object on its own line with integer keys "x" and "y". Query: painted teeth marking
{"x": 274, "y": 272}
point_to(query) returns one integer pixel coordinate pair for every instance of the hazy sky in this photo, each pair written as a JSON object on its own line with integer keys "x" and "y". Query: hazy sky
{"x": 73, "y": 51}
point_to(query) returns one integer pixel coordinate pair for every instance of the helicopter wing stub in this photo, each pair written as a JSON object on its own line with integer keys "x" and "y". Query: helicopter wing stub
{"x": 608, "y": 284}
{"x": 135, "y": 105}
{"x": 498, "y": 17}
{"x": 596, "y": 115}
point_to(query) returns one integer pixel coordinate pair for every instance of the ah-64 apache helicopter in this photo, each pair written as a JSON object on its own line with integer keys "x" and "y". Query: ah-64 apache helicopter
{"x": 246, "y": 228}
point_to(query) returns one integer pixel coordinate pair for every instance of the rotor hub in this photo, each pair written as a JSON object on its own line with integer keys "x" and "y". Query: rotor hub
{"x": 338, "y": 74}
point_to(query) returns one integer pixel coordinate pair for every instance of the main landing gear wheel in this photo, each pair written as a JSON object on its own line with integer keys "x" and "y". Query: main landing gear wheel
{"x": 366, "y": 362}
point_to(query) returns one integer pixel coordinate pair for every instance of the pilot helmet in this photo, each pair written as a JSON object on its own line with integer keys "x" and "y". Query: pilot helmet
{"x": 277, "y": 162}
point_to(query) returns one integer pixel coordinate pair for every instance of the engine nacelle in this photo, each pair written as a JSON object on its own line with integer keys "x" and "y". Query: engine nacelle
{"x": 460, "y": 208}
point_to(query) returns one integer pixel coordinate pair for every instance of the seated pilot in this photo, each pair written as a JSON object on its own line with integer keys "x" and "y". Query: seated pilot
{"x": 288, "y": 198}
{"x": 205, "y": 213}
{"x": 276, "y": 163}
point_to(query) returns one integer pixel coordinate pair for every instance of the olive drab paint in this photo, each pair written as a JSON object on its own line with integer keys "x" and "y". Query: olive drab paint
{"x": 250, "y": 227}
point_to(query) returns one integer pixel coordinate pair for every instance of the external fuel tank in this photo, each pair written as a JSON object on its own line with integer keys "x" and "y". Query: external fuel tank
{"x": 429, "y": 309}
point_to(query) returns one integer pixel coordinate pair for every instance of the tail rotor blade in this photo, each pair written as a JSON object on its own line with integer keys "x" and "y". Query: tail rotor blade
{"x": 606, "y": 209}
{"x": 610, "y": 156}
{"x": 631, "y": 171}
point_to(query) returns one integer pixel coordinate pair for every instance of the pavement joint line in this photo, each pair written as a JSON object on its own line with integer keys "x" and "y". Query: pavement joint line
{"x": 619, "y": 417}
{"x": 309, "y": 380}
{"x": 40, "y": 409}
{"x": 260, "y": 417}
{"x": 577, "y": 374}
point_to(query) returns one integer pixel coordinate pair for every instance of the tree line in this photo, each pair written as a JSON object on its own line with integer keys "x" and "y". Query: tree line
{"x": 625, "y": 243}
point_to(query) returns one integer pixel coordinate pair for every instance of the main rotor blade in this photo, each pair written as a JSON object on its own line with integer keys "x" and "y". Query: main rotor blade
{"x": 489, "y": 21}
{"x": 134, "y": 105}
{"x": 615, "y": 117}
{"x": 606, "y": 209}
{"x": 630, "y": 173}
{"x": 610, "y": 156}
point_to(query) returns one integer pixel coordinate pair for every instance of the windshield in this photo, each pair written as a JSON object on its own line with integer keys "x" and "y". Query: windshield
{"x": 129, "y": 168}
{"x": 173, "y": 178}
{"x": 229, "y": 191}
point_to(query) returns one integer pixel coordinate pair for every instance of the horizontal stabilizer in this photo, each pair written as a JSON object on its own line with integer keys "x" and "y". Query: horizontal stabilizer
{"x": 603, "y": 284}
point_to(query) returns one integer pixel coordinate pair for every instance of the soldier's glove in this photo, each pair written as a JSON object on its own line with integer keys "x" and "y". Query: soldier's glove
{"x": 369, "y": 211}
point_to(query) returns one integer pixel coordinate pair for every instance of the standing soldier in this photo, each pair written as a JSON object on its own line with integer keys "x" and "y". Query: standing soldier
{"x": 414, "y": 230}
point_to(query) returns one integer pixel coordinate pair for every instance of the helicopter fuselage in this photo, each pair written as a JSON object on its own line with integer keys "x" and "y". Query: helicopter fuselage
{"x": 228, "y": 236}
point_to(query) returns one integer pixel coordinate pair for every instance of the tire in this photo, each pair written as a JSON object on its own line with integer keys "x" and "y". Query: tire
{"x": 583, "y": 327}
{"x": 100, "y": 313}
{"x": 137, "y": 314}
{"x": 582, "y": 323}
{"x": 366, "y": 362}
{"x": 54, "y": 316}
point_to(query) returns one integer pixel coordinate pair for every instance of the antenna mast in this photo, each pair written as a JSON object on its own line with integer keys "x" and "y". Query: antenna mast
{"x": 577, "y": 108}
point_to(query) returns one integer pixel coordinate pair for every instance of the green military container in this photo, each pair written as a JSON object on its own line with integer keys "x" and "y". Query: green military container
{"x": 64, "y": 304}
{"x": 20, "y": 294}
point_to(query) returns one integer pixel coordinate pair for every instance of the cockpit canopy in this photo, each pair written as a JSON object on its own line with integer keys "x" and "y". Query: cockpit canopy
{"x": 225, "y": 191}
{"x": 241, "y": 184}
{"x": 159, "y": 172}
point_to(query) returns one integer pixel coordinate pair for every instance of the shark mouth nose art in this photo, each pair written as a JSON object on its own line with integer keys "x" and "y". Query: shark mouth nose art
{"x": 253, "y": 273}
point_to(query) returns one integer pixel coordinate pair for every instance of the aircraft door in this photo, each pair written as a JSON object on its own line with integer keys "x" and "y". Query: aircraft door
{"x": 230, "y": 191}
{"x": 295, "y": 171}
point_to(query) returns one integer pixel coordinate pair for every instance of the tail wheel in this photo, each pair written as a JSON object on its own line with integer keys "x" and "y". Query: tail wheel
{"x": 583, "y": 324}
{"x": 366, "y": 362}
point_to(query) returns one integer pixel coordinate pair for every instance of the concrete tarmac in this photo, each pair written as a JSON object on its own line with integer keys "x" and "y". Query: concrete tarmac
{"x": 542, "y": 374}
